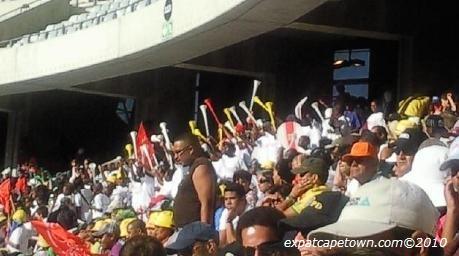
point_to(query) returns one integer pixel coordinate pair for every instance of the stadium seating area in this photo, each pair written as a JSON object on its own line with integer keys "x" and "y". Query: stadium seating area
{"x": 95, "y": 15}
{"x": 10, "y": 8}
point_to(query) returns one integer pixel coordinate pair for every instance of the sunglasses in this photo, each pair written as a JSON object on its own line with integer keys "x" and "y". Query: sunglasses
{"x": 302, "y": 174}
{"x": 357, "y": 160}
{"x": 264, "y": 180}
{"x": 181, "y": 151}
{"x": 264, "y": 249}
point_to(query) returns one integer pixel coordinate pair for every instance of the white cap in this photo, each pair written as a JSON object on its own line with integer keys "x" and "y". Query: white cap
{"x": 376, "y": 119}
{"x": 381, "y": 205}
{"x": 425, "y": 172}
{"x": 453, "y": 155}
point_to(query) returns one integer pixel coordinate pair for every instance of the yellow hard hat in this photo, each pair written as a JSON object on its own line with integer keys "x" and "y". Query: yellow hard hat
{"x": 111, "y": 178}
{"x": 124, "y": 225}
{"x": 267, "y": 165}
{"x": 20, "y": 216}
{"x": 163, "y": 219}
{"x": 99, "y": 224}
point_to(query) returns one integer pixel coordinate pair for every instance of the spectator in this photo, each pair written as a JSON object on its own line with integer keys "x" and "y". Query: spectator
{"x": 406, "y": 147}
{"x": 108, "y": 235}
{"x": 324, "y": 210}
{"x": 258, "y": 232}
{"x": 374, "y": 106}
{"x": 451, "y": 225}
{"x": 161, "y": 226}
{"x": 20, "y": 233}
{"x": 363, "y": 164}
{"x": 244, "y": 178}
{"x": 235, "y": 205}
{"x": 143, "y": 245}
{"x": 196, "y": 197}
{"x": 312, "y": 176}
{"x": 136, "y": 228}
{"x": 386, "y": 209}
{"x": 195, "y": 239}
{"x": 229, "y": 163}
{"x": 447, "y": 102}
{"x": 425, "y": 173}
{"x": 100, "y": 202}
{"x": 265, "y": 183}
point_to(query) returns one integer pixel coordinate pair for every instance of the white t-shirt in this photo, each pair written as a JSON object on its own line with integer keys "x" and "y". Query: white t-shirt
{"x": 170, "y": 188}
{"x": 266, "y": 149}
{"x": 142, "y": 192}
{"x": 121, "y": 197}
{"x": 19, "y": 238}
{"x": 59, "y": 198}
{"x": 227, "y": 166}
{"x": 224, "y": 217}
{"x": 84, "y": 206}
{"x": 100, "y": 202}
{"x": 243, "y": 154}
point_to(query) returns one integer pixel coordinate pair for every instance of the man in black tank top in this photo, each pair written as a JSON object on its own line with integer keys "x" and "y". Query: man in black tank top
{"x": 196, "y": 195}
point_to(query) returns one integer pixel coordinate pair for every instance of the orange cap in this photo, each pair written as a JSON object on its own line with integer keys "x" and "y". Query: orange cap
{"x": 361, "y": 149}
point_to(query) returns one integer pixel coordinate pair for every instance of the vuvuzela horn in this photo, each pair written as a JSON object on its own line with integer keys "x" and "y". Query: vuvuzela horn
{"x": 145, "y": 152}
{"x": 247, "y": 111}
{"x": 167, "y": 141}
{"x": 269, "y": 106}
{"x": 204, "y": 117}
{"x": 298, "y": 107}
{"x": 228, "y": 115}
{"x": 133, "y": 135}
{"x": 130, "y": 150}
{"x": 192, "y": 125}
{"x": 256, "y": 84}
{"x": 315, "y": 106}
{"x": 156, "y": 138}
{"x": 259, "y": 102}
{"x": 230, "y": 127}
{"x": 198, "y": 133}
{"x": 168, "y": 148}
{"x": 209, "y": 104}
{"x": 232, "y": 109}
{"x": 195, "y": 131}
{"x": 117, "y": 159}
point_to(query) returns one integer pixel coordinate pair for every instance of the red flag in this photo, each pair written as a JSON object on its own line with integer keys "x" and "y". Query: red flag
{"x": 61, "y": 241}
{"x": 21, "y": 184}
{"x": 145, "y": 149}
{"x": 5, "y": 193}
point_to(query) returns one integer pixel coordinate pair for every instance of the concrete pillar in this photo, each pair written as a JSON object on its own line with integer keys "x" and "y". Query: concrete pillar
{"x": 12, "y": 139}
{"x": 405, "y": 68}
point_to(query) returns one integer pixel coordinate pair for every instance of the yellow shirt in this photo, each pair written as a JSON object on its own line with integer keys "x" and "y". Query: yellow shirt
{"x": 307, "y": 198}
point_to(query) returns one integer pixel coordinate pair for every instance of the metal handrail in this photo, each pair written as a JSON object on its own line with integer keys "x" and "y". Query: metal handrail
{"x": 64, "y": 28}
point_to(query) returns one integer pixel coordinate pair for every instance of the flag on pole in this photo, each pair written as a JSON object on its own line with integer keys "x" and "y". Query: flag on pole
{"x": 61, "y": 241}
{"x": 5, "y": 193}
{"x": 145, "y": 149}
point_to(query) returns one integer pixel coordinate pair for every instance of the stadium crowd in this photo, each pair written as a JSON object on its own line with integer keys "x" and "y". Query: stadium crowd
{"x": 375, "y": 170}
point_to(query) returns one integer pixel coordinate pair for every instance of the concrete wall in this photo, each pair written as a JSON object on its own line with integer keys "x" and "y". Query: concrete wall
{"x": 127, "y": 35}
{"x": 35, "y": 19}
